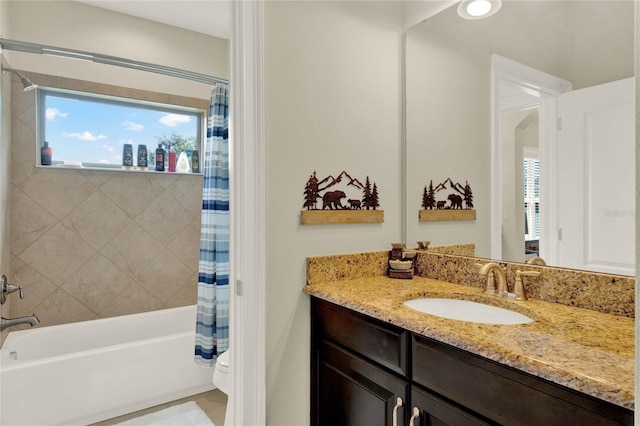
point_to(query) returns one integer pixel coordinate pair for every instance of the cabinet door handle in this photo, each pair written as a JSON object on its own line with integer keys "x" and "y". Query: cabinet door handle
{"x": 416, "y": 414}
{"x": 395, "y": 411}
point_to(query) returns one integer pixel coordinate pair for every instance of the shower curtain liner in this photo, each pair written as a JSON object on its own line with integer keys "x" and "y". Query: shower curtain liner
{"x": 212, "y": 325}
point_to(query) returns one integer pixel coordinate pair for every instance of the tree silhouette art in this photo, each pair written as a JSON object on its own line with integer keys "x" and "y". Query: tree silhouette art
{"x": 374, "y": 197}
{"x": 311, "y": 193}
{"x": 326, "y": 189}
{"x": 366, "y": 197}
{"x": 429, "y": 197}
{"x": 468, "y": 195}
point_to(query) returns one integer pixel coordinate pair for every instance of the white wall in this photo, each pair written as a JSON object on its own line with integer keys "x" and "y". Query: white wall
{"x": 333, "y": 73}
{"x": 87, "y": 28}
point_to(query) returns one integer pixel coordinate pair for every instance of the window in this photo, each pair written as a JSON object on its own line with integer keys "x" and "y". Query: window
{"x": 91, "y": 130}
{"x": 532, "y": 198}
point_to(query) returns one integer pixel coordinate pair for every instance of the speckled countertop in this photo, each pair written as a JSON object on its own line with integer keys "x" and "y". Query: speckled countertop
{"x": 582, "y": 349}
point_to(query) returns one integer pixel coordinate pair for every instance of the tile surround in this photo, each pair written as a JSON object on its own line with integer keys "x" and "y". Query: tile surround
{"x": 89, "y": 244}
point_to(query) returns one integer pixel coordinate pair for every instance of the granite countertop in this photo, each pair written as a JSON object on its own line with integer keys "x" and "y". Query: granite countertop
{"x": 581, "y": 349}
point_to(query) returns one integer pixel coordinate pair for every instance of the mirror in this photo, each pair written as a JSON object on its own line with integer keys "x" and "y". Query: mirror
{"x": 451, "y": 88}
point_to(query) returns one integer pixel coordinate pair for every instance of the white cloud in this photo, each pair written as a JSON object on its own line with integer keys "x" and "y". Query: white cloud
{"x": 109, "y": 148}
{"x": 173, "y": 120}
{"x": 86, "y": 136}
{"x": 52, "y": 113}
{"x": 131, "y": 125}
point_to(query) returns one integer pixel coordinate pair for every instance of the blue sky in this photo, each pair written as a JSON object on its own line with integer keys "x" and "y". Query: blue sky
{"x": 95, "y": 132}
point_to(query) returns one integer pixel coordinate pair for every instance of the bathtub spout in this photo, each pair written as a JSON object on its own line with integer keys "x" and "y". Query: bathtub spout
{"x": 31, "y": 320}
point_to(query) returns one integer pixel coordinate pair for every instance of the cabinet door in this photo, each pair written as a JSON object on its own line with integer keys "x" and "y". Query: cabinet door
{"x": 354, "y": 392}
{"x": 435, "y": 411}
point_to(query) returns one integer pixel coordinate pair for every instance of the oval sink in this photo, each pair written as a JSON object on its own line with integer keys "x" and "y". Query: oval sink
{"x": 466, "y": 310}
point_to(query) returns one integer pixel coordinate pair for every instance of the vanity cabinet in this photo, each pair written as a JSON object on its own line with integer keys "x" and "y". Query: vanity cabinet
{"x": 360, "y": 366}
{"x": 359, "y": 369}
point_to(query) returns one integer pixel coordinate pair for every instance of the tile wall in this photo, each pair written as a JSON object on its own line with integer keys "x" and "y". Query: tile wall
{"x": 92, "y": 244}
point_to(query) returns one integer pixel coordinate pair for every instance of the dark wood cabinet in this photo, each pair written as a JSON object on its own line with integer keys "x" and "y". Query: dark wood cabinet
{"x": 503, "y": 394}
{"x": 359, "y": 369}
{"x": 352, "y": 391}
{"x": 435, "y": 411}
{"x": 360, "y": 366}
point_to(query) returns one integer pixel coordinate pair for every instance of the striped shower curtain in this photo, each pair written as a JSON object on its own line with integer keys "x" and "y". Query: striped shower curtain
{"x": 212, "y": 326}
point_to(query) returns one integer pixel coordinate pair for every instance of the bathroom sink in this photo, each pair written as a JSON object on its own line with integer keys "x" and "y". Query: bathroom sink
{"x": 466, "y": 310}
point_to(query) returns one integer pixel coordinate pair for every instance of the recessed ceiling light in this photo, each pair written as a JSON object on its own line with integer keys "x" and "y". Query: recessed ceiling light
{"x": 478, "y": 9}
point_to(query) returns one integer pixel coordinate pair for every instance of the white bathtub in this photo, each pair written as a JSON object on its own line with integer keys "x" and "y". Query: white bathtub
{"x": 80, "y": 373}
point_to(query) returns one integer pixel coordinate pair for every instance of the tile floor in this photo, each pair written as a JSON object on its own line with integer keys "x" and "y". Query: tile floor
{"x": 213, "y": 403}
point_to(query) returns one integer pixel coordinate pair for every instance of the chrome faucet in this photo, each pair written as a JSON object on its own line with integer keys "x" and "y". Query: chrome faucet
{"x": 32, "y": 320}
{"x": 499, "y": 275}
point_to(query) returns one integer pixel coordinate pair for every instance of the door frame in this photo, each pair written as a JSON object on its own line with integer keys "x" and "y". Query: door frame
{"x": 546, "y": 88}
{"x": 247, "y": 402}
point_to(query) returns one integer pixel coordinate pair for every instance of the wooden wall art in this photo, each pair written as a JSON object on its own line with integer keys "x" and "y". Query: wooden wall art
{"x": 340, "y": 200}
{"x": 439, "y": 204}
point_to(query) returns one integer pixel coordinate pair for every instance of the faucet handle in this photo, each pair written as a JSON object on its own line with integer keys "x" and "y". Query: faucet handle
{"x": 8, "y": 289}
{"x": 518, "y": 289}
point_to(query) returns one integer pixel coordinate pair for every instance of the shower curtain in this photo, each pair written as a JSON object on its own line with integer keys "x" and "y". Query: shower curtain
{"x": 212, "y": 325}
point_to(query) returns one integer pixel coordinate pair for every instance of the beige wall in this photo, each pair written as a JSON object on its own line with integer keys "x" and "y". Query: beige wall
{"x": 333, "y": 72}
{"x": 92, "y": 244}
{"x": 87, "y": 28}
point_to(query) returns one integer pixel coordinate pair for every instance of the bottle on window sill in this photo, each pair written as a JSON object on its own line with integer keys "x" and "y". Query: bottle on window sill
{"x": 195, "y": 162}
{"x": 182, "y": 166}
{"x": 160, "y": 159}
{"x": 46, "y": 152}
{"x": 142, "y": 157}
{"x": 127, "y": 156}
{"x": 172, "y": 160}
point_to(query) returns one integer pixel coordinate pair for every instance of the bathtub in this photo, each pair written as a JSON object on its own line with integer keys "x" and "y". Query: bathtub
{"x": 81, "y": 373}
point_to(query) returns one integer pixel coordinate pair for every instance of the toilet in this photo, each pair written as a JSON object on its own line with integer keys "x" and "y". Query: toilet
{"x": 222, "y": 379}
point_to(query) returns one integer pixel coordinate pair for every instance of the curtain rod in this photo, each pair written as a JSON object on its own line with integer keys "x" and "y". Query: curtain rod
{"x": 41, "y": 49}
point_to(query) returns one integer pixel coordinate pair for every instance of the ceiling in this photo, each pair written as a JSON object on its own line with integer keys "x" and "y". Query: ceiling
{"x": 211, "y": 17}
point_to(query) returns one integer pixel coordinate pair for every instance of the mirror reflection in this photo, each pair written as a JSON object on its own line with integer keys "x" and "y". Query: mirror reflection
{"x": 534, "y": 107}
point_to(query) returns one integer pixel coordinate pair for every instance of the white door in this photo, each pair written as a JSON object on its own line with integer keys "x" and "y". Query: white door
{"x": 595, "y": 198}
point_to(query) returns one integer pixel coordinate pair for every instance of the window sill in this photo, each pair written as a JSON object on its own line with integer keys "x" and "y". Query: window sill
{"x": 114, "y": 169}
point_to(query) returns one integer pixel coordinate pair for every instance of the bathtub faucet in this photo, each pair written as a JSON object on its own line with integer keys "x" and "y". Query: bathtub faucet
{"x": 32, "y": 320}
